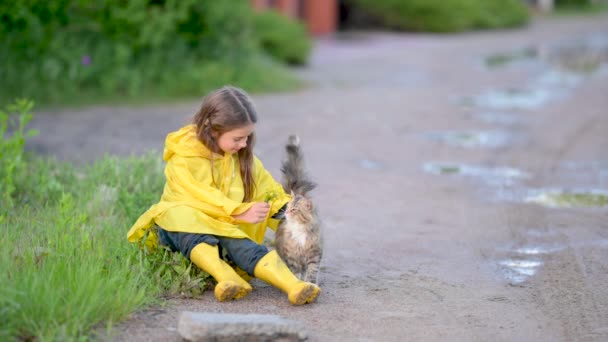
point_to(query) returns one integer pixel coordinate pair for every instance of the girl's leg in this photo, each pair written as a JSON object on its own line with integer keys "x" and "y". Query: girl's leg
{"x": 274, "y": 271}
{"x": 203, "y": 251}
{"x": 229, "y": 284}
{"x": 245, "y": 253}
{"x": 268, "y": 266}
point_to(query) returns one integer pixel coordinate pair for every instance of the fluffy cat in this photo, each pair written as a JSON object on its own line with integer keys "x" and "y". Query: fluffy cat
{"x": 298, "y": 237}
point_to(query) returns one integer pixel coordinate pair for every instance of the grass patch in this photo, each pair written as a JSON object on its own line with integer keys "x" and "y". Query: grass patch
{"x": 587, "y": 9}
{"x": 257, "y": 75}
{"x": 66, "y": 267}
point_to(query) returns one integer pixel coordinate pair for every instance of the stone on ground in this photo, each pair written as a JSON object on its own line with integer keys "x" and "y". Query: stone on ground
{"x": 202, "y": 326}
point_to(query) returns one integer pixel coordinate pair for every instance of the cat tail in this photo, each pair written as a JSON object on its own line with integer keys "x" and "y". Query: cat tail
{"x": 295, "y": 178}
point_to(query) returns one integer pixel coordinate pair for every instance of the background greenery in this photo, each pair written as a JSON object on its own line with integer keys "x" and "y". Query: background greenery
{"x": 441, "y": 15}
{"x": 65, "y": 267}
{"x": 73, "y": 51}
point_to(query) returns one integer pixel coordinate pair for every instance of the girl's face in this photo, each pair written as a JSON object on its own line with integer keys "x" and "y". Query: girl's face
{"x": 232, "y": 141}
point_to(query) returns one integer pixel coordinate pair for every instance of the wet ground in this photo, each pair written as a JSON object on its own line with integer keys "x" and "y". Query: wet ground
{"x": 463, "y": 183}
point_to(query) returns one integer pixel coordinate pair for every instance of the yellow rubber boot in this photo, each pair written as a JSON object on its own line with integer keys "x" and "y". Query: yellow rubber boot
{"x": 274, "y": 271}
{"x": 229, "y": 284}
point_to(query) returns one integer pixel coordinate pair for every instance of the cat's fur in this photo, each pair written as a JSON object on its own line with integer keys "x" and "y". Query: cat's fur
{"x": 298, "y": 237}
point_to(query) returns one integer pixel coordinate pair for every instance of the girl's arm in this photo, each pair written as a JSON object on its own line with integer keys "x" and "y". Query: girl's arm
{"x": 184, "y": 186}
{"x": 267, "y": 189}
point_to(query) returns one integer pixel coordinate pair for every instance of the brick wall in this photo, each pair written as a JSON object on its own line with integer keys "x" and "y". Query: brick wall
{"x": 320, "y": 16}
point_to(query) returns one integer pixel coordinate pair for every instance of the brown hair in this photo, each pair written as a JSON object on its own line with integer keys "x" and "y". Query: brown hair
{"x": 223, "y": 110}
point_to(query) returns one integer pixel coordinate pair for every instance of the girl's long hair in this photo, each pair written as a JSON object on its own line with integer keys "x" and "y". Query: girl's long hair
{"x": 223, "y": 110}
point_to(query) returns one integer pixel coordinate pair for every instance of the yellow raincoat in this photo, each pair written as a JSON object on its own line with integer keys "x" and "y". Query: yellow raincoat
{"x": 190, "y": 201}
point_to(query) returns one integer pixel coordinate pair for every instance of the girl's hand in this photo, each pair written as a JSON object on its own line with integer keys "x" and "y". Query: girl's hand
{"x": 256, "y": 214}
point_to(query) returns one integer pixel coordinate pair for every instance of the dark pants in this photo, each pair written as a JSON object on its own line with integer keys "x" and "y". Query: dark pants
{"x": 243, "y": 252}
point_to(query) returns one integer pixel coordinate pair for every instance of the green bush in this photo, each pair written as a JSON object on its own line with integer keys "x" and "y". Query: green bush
{"x": 283, "y": 38}
{"x": 66, "y": 267}
{"x": 13, "y": 133}
{"x": 90, "y": 51}
{"x": 444, "y": 15}
{"x": 573, "y": 3}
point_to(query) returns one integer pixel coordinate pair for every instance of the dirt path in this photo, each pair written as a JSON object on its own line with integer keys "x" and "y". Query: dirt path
{"x": 411, "y": 254}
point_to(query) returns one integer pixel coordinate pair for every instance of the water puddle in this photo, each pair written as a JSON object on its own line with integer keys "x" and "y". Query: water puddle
{"x": 488, "y": 139}
{"x": 558, "y": 78}
{"x": 523, "y": 261}
{"x": 501, "y": 118}
{"x": 569, "y": 198}
{"x": 502, "y": 176}
{"x": 517, "y": 271}
{"x": 369, "y": 164}
{"x": 538, "y": 250}
{"x": 513, "y": 99}
{"x": 561, "y": 68}
{"x": 582, "y": 56}
{"x": 502, "y": 59}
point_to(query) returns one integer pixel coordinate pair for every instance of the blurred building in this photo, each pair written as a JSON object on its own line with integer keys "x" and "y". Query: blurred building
{"x": 320, "y": 16}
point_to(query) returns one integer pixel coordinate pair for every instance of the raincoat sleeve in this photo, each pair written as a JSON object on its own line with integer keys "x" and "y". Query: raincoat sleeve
{"x": 213, "y": 202}
{"x": 268, "y": 190}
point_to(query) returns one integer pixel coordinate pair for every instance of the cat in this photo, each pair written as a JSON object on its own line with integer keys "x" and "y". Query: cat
{"x": 298, "y": 237}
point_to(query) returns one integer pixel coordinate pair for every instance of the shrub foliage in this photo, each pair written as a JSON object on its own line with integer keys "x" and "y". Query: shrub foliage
{"x": 444, "y": 15}
{"x": 59, "y": 50}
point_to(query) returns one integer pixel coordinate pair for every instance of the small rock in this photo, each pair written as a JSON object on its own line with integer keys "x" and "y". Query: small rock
{"x": 199, "y": 326}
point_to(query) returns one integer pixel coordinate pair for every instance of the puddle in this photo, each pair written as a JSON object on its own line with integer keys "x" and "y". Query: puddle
{"x": 583, "y": 56}
{"x": 538, "y": 250}
{"x": 493, "y": 176}
{"x": 489, "y": 139}
{"x": 517, "y": 271}
{"x": 560, "y": 78}
{"x": 369, "y": 164}
{"x": 569, "y": 198}
{"x": 561, "y": 67}
{"x": 518, "y": 99}
{"x": 508, "y": 119}
{"x": 503, "y": 59}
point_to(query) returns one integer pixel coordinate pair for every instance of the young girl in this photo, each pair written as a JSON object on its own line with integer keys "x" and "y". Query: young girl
{"x": 218, "y": 196}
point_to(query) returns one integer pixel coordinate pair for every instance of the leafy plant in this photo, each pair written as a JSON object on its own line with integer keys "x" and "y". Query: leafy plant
{"x": 175, "y": 275}
{"x": 12, "y": 140}
{"x": 74, "y": 51}
{"x": 444, "y": 15}
{"x": 283, "y": 38}
{"x": 66, "y": 268}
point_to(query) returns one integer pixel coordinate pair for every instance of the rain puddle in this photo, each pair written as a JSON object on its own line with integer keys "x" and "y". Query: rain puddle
{"x": 503, "y": 59}
{"x": 561, "y": 68}
{"x": 522, "y": 261}
{"x": 517, "y": 271}
{"x": 583, "y": 56}
{"x": 502, "y": 176}
{"x": 569, "y": 198}
{"x": 490, "y": 139}
{"x": 369, "y": 164}
{"x": 513, "y": 99}
{"x": 509, "y": 119}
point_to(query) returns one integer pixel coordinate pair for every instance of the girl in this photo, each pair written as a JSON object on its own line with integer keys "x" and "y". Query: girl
{"x": 218, "y": 196}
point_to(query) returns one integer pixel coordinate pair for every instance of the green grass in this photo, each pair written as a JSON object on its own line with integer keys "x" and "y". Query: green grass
{"x": 257, "y": 75}
{"x": 591, "y": 9}
{"x": 66, "y": 268}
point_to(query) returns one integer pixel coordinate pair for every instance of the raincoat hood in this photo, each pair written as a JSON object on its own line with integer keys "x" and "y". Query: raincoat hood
{"x": 185, "y": 143}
